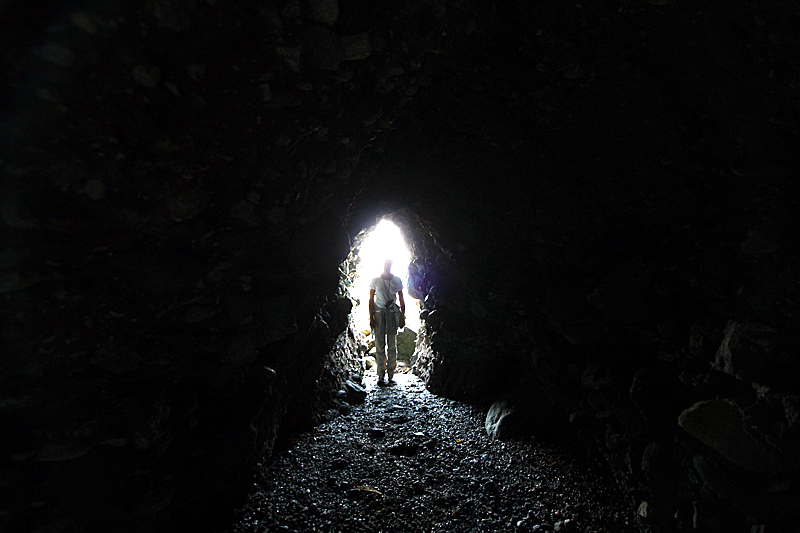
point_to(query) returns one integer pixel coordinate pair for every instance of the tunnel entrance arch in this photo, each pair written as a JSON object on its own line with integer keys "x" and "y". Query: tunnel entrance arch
{"x": 462, "y": 349}
{"x": 382, "y": 241}
{"x": 387, "y": 236}
{"x": 453, "y": 352}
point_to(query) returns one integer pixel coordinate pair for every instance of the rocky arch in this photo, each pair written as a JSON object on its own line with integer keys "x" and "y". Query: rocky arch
{"x": 604, "y": 210}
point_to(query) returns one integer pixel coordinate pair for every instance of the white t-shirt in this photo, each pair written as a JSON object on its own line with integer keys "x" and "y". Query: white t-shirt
{"x": 385, "y": 290}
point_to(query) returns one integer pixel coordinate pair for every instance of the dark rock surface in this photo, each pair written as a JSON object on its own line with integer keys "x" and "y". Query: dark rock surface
{"x": 600, "y": 199}
{"x": 428, "y": 466}
{"x": 356, "y": 393}
{"x": 522, "y": 412}
{"x": 720, "y": 425}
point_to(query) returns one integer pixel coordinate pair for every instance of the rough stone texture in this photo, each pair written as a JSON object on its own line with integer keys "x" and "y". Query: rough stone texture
{"x": 321, "y": 48}
{"x": 601, "y": 197}
{"x": 324, "y": 11}
{"x": 496, "y": 427}
{"x": 523, "y": 412}
{"x": 406, "y": 344}
{"x": 755, "y": 353}
{"x": 720, "y": 425}
{"x": 496, "y": 424}
{"x": 356, "y": 394}
{"x": 426, "y": 469}
{"x": 356, "y": 46}
{"x": 341, "y": 366}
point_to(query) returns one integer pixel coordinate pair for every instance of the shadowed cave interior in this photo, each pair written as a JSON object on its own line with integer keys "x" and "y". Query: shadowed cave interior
{"x": 599, "y": 200}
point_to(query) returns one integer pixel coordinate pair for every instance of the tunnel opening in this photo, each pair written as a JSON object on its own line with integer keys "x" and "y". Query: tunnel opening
{"x": 454, "y": 352}
{"x": 613, "y": 229}
{"x": 383, "y": 241}
{"x": 371, "y": 246}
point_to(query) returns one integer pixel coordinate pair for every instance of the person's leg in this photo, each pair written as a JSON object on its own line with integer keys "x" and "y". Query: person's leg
{"x": 380, "y": 345}
{"x": 392, "y": 352}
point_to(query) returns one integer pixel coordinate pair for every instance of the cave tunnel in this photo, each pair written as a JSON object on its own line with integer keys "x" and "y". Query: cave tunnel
{"x": 599, "y": 198}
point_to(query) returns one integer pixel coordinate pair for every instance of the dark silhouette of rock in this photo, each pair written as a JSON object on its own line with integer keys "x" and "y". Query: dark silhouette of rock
{"x": 356, "y": 394}
{"x": 719, "y": 424}
{"x": 321, "y": 49}
{"x": 600, "y": 201}
{"x": 522, "y": 413}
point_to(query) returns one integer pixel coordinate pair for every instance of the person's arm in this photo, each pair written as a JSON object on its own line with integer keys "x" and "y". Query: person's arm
{"x": 402, "y": 308}
{"x": 372, "y": 308}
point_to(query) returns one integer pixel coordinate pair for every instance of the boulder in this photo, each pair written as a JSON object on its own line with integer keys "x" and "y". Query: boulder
{"x": 523, "y": 412}
{"x": 495, "y": 424}
{"x": 406, "y": 343}
{"x": 356, "y": 394}
{"x": 755, "y": 353}
{"x": 773, "y": 420}
{"x": 743, "y": 348}
{"x": 719, "y": 424}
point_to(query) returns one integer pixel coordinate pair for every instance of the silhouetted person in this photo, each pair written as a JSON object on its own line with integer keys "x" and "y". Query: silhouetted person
{"x": 385, "y": 316}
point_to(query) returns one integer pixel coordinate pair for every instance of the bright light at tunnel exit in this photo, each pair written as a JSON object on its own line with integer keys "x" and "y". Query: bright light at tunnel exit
{"x": 383, "y": 242}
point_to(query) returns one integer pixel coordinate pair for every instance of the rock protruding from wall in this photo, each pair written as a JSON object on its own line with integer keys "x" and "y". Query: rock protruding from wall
{"x": 406, "y": 344}
{"x": 679, "y": 375}
{"x": 522, "y": 413}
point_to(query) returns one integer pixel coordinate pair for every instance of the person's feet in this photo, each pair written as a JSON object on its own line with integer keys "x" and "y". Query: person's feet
{"x": 386, "y": 383}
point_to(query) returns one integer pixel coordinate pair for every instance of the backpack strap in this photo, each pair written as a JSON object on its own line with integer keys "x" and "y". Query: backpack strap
{"x": 388, "y": 285}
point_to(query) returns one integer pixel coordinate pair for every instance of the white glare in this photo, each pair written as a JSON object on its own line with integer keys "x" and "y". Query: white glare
{"x": 384, "y": 242}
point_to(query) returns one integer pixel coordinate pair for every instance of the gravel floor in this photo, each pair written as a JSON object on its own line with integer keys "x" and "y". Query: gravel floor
{"x": 408, "y": 461}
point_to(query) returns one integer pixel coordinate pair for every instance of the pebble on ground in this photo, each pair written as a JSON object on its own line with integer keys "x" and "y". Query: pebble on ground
{"x": 407, "y": 461}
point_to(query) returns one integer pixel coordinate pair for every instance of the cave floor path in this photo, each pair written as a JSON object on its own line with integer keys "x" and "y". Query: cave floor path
{"x": 407, "y": 461}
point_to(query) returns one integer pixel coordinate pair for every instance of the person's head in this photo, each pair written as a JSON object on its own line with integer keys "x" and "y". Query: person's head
{"x": 387, "y": 265}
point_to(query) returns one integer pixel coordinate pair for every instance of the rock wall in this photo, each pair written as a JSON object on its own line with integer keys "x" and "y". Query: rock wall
{"x": 644, "y": 345}
{"x": 630, "y": 355}
{"x": 170, "y": 248}
{"x": 667, "y": 353}
{"x": 600, "y": 200}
